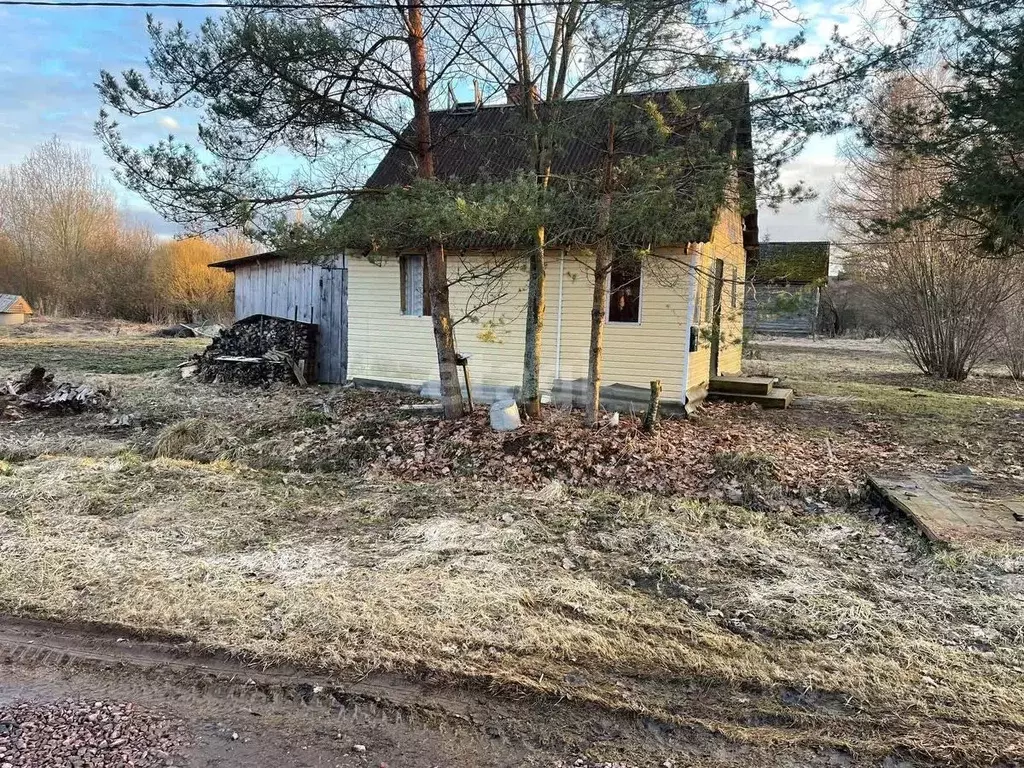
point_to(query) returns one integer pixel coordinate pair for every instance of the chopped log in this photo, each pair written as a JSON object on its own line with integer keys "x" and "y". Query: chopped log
{"x": 651, "y": 417}
{"x": 259, "y": 350}
{"x": 36, "y": 391}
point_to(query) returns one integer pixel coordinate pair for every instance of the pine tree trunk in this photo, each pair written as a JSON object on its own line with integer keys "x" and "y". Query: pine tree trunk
{"x": 437, "y": 272}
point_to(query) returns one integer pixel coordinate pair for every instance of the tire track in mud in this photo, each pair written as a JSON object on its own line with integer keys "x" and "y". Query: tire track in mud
{"x": 381, "y": 699}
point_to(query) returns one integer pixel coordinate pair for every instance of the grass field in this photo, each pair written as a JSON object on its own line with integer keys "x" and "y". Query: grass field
{"x": 840, "y": 632}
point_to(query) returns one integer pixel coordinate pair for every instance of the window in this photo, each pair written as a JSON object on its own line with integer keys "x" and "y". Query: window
{"x": 624, "y": 285}
{"x": 415, "y": 296}
{"x": 735, "y": 289}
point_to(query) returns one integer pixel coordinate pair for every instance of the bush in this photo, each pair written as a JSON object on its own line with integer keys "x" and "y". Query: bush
{"x": 1011, "y": 336}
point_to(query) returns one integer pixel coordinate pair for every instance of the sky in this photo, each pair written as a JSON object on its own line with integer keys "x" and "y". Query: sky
{"x": 50, "y": 60}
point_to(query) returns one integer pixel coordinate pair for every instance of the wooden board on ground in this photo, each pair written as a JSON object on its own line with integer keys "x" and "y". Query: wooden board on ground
{"x": 950, "y": 514}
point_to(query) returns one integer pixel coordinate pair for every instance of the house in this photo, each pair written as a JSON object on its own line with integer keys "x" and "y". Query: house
{"x": 676, "y": 315}
{"x": 785, "y": 279}
{"x": 13, "y": 309}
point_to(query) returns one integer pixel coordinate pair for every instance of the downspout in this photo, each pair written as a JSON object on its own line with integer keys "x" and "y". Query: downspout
{"x": 690, "y": 300}
{"x": 558, "y": 323}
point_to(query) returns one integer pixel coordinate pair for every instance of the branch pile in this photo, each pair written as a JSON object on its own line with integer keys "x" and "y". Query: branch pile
{"x": 259, "y": 350}
{"x": 37, "y": 391}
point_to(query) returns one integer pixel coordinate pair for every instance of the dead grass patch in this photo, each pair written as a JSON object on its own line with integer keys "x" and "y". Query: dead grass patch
{"x": 192, "y": 440}
{"x": 841, "y": 630}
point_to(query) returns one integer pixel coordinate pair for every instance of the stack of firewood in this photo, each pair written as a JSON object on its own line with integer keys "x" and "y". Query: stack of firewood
{"x": 36, "y": 390}
{"x": 259, "y": 350}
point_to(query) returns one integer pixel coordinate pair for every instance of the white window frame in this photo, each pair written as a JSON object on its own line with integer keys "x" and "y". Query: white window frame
{"x": 608, "y": 301}
{"x": 403, "y": 281}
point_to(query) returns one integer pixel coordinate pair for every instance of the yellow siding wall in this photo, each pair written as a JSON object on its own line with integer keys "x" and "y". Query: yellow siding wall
{"x": 726, "y": 244}
{"x": 386, "y": 345}
{"x": 633, "y": 354}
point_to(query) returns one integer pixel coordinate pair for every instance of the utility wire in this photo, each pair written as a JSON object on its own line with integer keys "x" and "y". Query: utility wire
{"x": 341, "y": 6}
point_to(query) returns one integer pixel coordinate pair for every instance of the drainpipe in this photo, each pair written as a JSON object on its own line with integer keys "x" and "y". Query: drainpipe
{"x": 558, "y": 324}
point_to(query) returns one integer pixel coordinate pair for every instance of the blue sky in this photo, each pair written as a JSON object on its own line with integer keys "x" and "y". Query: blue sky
{"x": 51, "y": 58}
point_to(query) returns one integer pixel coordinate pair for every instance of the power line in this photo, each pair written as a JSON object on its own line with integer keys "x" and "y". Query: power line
{"x": 269, "y": 6}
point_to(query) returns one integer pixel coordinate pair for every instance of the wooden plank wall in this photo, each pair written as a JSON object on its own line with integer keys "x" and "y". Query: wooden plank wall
{"x": 279, "y": 289}
{"x": 309, "y": 292}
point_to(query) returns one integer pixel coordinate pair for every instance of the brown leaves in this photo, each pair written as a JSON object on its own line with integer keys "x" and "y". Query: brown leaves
{"x": 680, "y": 459}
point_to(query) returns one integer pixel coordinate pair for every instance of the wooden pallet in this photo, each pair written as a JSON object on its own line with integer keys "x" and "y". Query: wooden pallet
{"x": 945, "y": 515}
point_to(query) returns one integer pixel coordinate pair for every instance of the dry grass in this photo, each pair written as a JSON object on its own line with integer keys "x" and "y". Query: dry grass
{"x": 779, "y": 629}
{"x": 201, "y": 514}
{"x": 192, "y": 440}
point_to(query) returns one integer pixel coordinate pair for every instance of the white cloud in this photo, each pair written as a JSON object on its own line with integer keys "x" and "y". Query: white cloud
{"x": 169, "y": 123}
{"x": 817, "y": 167}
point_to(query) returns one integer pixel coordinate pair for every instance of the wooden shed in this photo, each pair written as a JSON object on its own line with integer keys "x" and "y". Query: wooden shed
{"x": 13, "y": 309}
{"x": 785, "y": 280}
{"x": 276, "y": 285}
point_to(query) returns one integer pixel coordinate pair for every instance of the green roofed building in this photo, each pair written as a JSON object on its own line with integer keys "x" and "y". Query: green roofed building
{"x": 784, "y": 280}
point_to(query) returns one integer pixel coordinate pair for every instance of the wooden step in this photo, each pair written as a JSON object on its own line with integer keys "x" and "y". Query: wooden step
{"x": 742, "y": 385}
{"x": 776, "y": 398}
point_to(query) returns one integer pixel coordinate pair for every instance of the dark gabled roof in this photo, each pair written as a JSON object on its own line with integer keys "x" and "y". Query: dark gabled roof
{"x": 11, "y": 303}
{"x": 790, "y": 262}
{"x": 491, "y": 143}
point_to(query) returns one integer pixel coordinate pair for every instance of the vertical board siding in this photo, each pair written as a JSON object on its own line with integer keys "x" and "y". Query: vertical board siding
{"x": 293, "y": 290}
{"x": 331, "y": 357}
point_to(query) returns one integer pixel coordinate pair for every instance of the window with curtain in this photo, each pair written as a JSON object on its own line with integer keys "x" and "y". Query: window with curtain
{"x": 415, "y": 296}
{"x": 624, "y": 287}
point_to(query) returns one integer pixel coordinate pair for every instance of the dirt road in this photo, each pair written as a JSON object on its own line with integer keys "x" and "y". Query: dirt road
{"x": 240, "y": 716}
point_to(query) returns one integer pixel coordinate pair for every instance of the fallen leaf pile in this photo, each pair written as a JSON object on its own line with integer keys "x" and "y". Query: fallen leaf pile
{"x": 736, "y": 453}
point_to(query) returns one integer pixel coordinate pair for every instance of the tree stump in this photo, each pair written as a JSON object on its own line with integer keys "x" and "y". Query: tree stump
{"x": 651, "y": 417}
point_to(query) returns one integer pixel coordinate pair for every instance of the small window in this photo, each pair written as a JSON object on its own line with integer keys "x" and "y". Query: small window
{"x": 735, "y": 289}
{"x": 624, "y": 285}
{"x": 415, "y": 295}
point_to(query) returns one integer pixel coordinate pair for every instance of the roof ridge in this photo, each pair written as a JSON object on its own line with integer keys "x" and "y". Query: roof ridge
{"x": 650, "y": 92}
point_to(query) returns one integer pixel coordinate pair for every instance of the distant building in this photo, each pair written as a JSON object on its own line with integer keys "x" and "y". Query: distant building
{"x": 784, "y": 281}
{"x": 13, "y": 309}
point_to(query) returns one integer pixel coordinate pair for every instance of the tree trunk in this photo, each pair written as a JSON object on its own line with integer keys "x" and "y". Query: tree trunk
{"x": 651, "y": 417}
{"x": 535, "y": 300}
{"x": 444, "y": 334}
{"x": 602, "y": 265}
{"x": 535, "y": 309}
{"x": 437, "y": 272}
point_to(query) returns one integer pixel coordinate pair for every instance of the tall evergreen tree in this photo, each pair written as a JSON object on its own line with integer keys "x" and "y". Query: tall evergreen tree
{"x": 330, "y": 86}
{"x": 972, "y": 122}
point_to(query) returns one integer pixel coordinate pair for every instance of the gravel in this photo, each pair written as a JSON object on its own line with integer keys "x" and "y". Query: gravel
{"x": 82, "y": 734}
